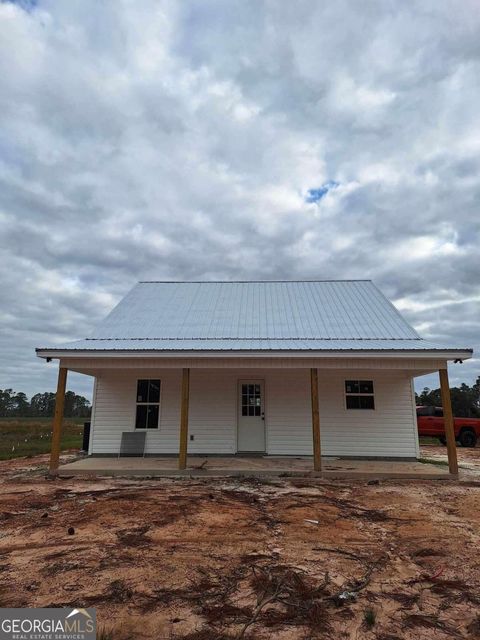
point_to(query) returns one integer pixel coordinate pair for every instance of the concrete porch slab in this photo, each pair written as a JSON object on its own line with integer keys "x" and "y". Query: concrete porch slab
{"x": 222, "y": 466}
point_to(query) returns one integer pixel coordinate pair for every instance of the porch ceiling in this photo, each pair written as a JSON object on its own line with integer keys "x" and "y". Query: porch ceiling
{"x": 94, "y": 366}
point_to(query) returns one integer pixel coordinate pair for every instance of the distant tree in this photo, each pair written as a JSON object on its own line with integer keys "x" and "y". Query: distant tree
{"x": 21, "y": 405}
{"x": 76, "y": 406}
{"x": 83, "y": 408}
{"x": 6, "y": 402}
{"x": 430, "y": 397}
{"x": 69, "y": 403}
{"x": 476, "y": 390}
{"x": 465, "y": 399}
{"x": 42, "y": 404}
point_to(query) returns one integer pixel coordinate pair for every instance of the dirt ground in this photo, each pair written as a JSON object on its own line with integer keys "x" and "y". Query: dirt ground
{"x": 213, "y": 559}
{"x": 468, "y": 459}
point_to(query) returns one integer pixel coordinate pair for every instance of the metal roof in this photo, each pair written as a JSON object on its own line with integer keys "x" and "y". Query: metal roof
{"x": 253, "y": 345}
{"x": 248, "y": 316}
{"x": 255, "y": 310}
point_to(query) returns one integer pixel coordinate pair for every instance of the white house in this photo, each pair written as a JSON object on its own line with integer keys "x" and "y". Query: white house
{"x": 281, "y": 368}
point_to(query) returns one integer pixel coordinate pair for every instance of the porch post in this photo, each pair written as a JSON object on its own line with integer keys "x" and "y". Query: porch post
{"x": 448, "y": 420}
{"x": 182, "y": 456}
{"x": 317, "y": 453}
{"x": 58, "y": 420}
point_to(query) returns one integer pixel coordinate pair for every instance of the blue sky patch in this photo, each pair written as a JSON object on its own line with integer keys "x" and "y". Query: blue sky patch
{"x": 316, "y": 194}
{"x": 27, "y": 5}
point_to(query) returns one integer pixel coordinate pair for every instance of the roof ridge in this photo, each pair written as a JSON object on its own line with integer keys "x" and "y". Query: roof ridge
{"x": 262, "y": 338}
{"x": 245, "y": 281}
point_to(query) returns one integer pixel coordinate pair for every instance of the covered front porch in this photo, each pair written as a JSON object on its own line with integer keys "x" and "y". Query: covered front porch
{"x": 253, "y": 466}
{"x": 304, "y": 415}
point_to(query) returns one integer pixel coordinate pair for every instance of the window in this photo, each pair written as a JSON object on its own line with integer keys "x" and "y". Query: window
{"x": 148, "y": 403}
{"x": 359, "y": 394}
{"x": 251, "y": 400}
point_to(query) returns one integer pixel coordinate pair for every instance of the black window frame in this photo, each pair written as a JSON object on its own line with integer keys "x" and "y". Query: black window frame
{"x": 356, "y": 399}
{"x": 147, "y": 405}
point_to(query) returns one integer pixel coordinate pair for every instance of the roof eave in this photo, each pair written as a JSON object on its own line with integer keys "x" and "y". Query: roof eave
{"x": 443, "y": 354}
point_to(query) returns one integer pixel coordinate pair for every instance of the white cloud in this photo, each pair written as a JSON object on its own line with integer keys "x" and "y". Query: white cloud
{"x": 178, "y": 140}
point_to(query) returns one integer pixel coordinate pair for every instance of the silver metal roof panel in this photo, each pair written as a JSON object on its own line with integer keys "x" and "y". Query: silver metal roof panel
{"x": 255, "y": 310}
{"x": 250, "y": 316}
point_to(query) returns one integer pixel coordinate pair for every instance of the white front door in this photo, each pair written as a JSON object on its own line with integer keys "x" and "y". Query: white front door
{"x": 251, "y": 416}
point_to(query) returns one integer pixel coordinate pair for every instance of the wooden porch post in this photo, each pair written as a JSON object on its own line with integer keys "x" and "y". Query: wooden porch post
{"x": 58, "y": 420}
{"x": 182, "y": 456}
{"x": 448, "y": 420}
{"x": 317, "y": 452}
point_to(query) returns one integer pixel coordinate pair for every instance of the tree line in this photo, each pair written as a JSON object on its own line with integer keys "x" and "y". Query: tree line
{"x": 465, "y": 399}
{"x": 17, "y": 405}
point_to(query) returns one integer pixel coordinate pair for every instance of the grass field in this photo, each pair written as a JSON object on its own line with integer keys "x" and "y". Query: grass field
{"x": 31, "y": 436}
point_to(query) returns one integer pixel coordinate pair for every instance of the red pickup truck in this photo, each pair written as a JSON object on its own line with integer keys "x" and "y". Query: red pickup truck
{"x": 430, "y": 423}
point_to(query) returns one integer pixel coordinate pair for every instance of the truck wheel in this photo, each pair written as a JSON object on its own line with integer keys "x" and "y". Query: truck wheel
{"x": 443, "y": 441}
{"x": 467, "y": 438}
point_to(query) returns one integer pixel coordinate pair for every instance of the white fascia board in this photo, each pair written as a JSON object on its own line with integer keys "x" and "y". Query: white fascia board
{"x": 451, "y": 354}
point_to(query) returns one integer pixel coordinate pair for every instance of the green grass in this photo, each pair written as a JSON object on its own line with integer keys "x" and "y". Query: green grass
{"x": 369, "y": 617}
{"x": 30, "y": 436}
{"x": 428, "y": 440}
{"x": 441, "y": 463}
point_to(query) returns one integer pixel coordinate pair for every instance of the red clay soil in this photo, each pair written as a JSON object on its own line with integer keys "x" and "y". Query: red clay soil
{"x": 230, "y": 558}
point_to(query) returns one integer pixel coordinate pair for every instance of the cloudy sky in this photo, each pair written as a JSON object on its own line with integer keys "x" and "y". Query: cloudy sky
{"x": 142, "y": 139}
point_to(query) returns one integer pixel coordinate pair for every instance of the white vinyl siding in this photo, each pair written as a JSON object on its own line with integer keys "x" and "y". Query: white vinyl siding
{"x": 115, "y": 407}
{"x": 212, "y": 412}
{"x": 288, "y": 412}
{"x": 389, "y": 430}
